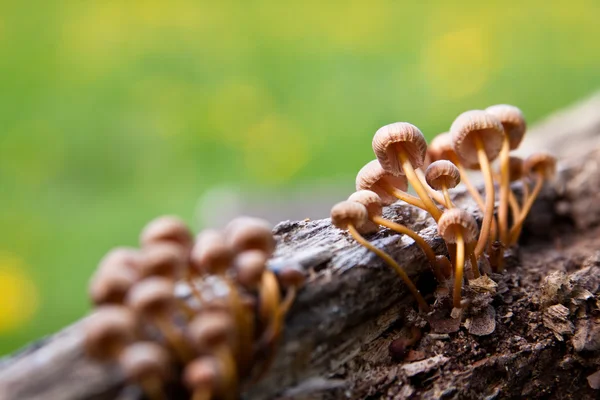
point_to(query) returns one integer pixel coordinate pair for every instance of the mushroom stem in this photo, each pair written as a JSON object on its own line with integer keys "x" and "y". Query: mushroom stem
{"x": 243, "y": 344}
{"x": 429, "y": 253}
{"x": 473, "y": 259}
{"x": 432, "y": 193}
{"x": 189, "y": 278}
{"x": 504, "y": 190}
{"x": 488, "y": 214}
{"x": 173, "y": 337}
{"x": 224, "y": 354}
{"x": 418, "y": 186}
{"x": 446, "y": 193}
{"x": 202, "y": 394}
{"x": 515, "y": 209}
{"x": 401, "y": 195}
{"x": 459, "y": 268}
{"x": 516, "y": 229}
{"x": 393, "y": 264}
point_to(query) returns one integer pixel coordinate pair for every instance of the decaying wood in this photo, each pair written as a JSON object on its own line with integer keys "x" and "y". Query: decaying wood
{"x": 534, "y": 333}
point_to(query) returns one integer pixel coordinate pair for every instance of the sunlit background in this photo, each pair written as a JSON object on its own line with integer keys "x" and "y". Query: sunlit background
{"x": 113, "y": 112}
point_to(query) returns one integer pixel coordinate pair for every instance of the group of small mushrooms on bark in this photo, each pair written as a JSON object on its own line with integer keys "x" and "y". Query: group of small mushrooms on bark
{"x": 476, "y": 139}
{"x": 208, "y": 311}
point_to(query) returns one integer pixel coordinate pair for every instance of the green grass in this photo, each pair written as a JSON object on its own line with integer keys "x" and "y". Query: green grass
{"x": 114, "y": 112}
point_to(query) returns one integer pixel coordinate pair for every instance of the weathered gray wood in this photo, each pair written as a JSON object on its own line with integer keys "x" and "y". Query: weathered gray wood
{"x": 349, "y": 301}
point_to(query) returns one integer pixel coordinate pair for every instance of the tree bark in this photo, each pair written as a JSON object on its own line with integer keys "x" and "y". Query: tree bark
{"x": 534, "y": 333}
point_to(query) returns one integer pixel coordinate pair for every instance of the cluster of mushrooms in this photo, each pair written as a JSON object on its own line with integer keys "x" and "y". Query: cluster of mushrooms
{"x": 475, "y": 140}
{"x": 206, "y": 311}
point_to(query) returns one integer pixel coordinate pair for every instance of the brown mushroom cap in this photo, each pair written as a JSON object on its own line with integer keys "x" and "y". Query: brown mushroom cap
{"x": 540, "y": 163}
{"x": 348, "y": 212}
{"x": 143, "y": 360}
{"x": 441, "y": 148}
{"x": 455, "y": 219}
{"x": 108, "y": 330}
{"x": 388, "y": 141}
{"x": 202, "y": 373}
{"x": 111, "y": 287}
{"x": 121, "y": 258}
{"x": 152, "y": 296}
{"x": 476, "y": 122}
{"x": 168, "y": 229}
{"x": 211, "y": 253}
{"x": 290, "y": 275}
{"x": 163, "y": 259}
{"x": 373, "y": 177}
{"x": 516, "y": 168}
{"x": 442, "y": 173}
{"x": 210, "y": 329}
{"x": 249, "y": 233}
{"x": 249, "y": 267}
{"x": 512, "y": 120}
{"x": 372, "y": 202}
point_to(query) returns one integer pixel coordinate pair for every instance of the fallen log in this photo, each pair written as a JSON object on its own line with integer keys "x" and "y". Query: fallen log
{"x": 545, "y": 340}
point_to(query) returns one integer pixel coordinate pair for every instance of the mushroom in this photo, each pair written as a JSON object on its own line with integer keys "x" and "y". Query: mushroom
{"x": 514, "y": 125}
{"x": 542, "y": 167}
{"x": 400, "y": 149}
{"x": 352, "y": 216}
{"x": 458, "y": 227}
{"x": 477, "y": 137}
{"x": 117, "y": 273}
{"x": 147, "y": 364}
{"x": 443, "y": 175}
{"x": 249, "y": 233}
{"x": 388, "y": 186}
{"x": 167, "y": 229}
{"x": 213, "y": 333}
{"x": 373, "y": 204}
{"x": 153, "y": 298}
{"x": 164, "y": 259}
{"x": 211, "y": 255}
{"x": 108, "y": 330}
{"x": 204, "y": 378}
{"x": 249, "y": 267}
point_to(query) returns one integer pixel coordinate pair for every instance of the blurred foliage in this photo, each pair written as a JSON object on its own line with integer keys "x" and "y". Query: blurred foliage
{"x": 113, "y": 112}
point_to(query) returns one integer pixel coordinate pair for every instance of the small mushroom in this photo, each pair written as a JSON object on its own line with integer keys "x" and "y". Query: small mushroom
{"x": 149, "y": 365}
{"x": 388, "y": 186}
{"x": 211, "y": 254}
{"x": 153, "y": 298}
{"x": 374, "y": 206}
{"x": 249, "y": 267}
{"x": 541, "y": 167}
{"x": 166, "y": 260}
{"x": 213, "y": 333}
{"x": 352, "y": 216}
{"x": 108, "y": 330}
{"x": 443, "y": 175}
{"x": 477, "y": 137}
{"x": 514, "y": 125}
{"x": 167, "y": 229}
{"x": 204, "y": 378}
{"x": 458, "y": 227}
{"x": 400, "y": 149}
{"x": 118, "y": 271}
{"x": 249, "y": 233}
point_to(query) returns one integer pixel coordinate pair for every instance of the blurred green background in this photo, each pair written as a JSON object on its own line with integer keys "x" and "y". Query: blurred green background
{"x": 113, "y": 112}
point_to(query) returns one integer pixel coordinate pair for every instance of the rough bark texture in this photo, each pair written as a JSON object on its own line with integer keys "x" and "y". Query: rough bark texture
{"x": 534, "y": 333}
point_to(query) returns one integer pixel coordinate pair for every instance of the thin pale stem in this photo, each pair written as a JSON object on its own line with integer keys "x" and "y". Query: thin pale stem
{"x": 459, "y": 269}
{"x": 446, "y": 192}
{"x": 429, "y": 253}
{"x": 488, "y": 214}
{"x": 174, "y": 338}
{"x": 432, "y": 192}
{"x": 516, "y": 229}
{"x": 515, "y": 209}
{"x": 504, "y": 190}
{"x": 242, "y": 346}
{"x": 393, "y": 264}
{"x": 406, "y": 197}
{"x": 473, "y": 259}
{"x": 418, "y": 186}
